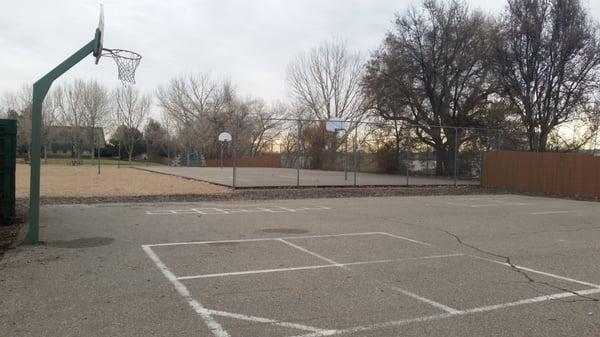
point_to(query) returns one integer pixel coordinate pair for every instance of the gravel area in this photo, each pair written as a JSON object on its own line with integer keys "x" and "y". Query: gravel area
{"x": 279, "y": 194}
{"x": 9, "y": 233}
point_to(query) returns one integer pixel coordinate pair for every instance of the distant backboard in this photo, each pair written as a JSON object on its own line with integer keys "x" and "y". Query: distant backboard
{"x": 224, "y": 137}
{"x": 335, "y": 124}
{"x": 99, "y": 36}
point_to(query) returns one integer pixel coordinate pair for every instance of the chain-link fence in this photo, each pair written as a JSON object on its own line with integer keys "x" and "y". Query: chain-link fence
{"x": 306, "y": 152}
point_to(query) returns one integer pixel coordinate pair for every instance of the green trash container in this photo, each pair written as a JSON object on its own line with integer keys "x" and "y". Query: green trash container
{"x": 8, "y": 159}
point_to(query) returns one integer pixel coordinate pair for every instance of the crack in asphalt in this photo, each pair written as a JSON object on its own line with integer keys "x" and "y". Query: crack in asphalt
{"x": 520, "y": 271}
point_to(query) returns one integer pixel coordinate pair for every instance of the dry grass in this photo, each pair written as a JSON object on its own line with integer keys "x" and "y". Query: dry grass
{"x": 84, "y": 181}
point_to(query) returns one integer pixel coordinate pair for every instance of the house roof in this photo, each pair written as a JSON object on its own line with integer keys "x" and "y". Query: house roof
{"x": 60, "y": 134}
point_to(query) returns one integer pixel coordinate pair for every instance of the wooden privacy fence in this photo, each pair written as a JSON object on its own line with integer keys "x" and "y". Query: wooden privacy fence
{"x": 562, "y": 174}
{"x": 265, "y": 160}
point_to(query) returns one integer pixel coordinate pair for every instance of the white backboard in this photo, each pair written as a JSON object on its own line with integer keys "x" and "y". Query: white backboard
{"x": 335, "y": 124}
{"x": 100, "y": 29}
{"x": 224, "y": 137}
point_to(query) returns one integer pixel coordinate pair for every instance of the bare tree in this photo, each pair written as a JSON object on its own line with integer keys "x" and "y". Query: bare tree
{"x": 71, "y": 113}
{"x": 434, "y": 69}
{"x": 169, "y": 126}
{"x": 18, "y": 107}
{"x": 199, "y": 108}
{"x": 188, "y": 98}
{"x": 326, "y": 82}
{"x": 96, "y": 109}
{"x": 266, "y": 125}
{"x": 131, "y": 109}
{"x": 155, "y": 135}
{"x": 193, "y": 104}
{"x": 548, "y": 62}
{"x": 50, "y": 112}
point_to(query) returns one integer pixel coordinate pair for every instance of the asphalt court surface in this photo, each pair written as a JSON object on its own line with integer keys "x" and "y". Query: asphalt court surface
{"x": 384, "y": 279}
{"x": 281, "y": 177}
{"x": 409, "y": 266}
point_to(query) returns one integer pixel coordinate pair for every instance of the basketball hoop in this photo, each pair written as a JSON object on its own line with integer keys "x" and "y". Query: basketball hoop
{"x": 335, "y": 124}
{"x": 127, "y": 62}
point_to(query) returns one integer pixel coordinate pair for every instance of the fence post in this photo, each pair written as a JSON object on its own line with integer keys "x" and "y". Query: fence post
{"x": 407, "y": 152}
{"x": 98, "y": 160}
{"x": 346, "y": 155}
{"x": 222, "y": 154}
{"x": 455, "y": 156}
{"x": 427, "y": 161}
{"x": 234, "y": 159}
{"x": 355, "y": 153}
{"x": 119, "y": 156}
{"x": 298, "y": 140}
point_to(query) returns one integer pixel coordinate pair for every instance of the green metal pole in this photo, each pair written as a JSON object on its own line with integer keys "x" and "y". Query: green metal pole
{"x": 40, "y": 90}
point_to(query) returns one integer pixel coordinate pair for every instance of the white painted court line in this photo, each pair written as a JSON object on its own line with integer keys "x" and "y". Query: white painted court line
{"x": 552, "y": 212}
{"x": 405, "y": 238}
{"x": 380, "y": 325}
{"x": 317, "y": 332}
{"x": 559, "y": 277}
{"x": 508, "y": 265}
{"x": 311, "y": 253}
{"x": 264, "y": 320}
{"x": 227, "y": 211}
{"x": 216, "y": 328}
{"x": 371, "y": 327}
{"x": 423, "y": 299}
{"x": 261, "y": 239}
{"x": 403, "y": 291}
{"x": 531, "y": 301}
{"x": 275, "y": 270}
{"x": 207, "y": 314}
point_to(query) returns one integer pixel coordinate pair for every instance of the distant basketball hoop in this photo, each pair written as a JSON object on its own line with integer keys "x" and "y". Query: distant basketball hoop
{"x": 224, "y": 137}
{"x": 335, "y": 124}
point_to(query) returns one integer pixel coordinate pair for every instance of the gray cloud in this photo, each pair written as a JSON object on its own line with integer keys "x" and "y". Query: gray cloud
{"x": 250, "y": 42}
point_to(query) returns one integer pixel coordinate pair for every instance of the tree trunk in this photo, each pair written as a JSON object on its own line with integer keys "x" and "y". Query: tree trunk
{"x": 451, "y": 153}
{"x": 543, "y": 141}
{"x": 531, "y": 139}
{"x": 440, "y": 160}
{"x": 78, "y": 151}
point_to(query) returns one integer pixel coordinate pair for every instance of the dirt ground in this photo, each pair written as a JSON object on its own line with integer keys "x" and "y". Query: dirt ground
{"x": 84, "y": 181}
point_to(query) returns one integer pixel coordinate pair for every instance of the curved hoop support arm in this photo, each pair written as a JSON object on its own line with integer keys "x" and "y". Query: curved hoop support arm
{"x": 40, "y": 90}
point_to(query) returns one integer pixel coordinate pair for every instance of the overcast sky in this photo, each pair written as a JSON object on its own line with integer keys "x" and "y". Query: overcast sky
{"x": 248, "y": 41}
